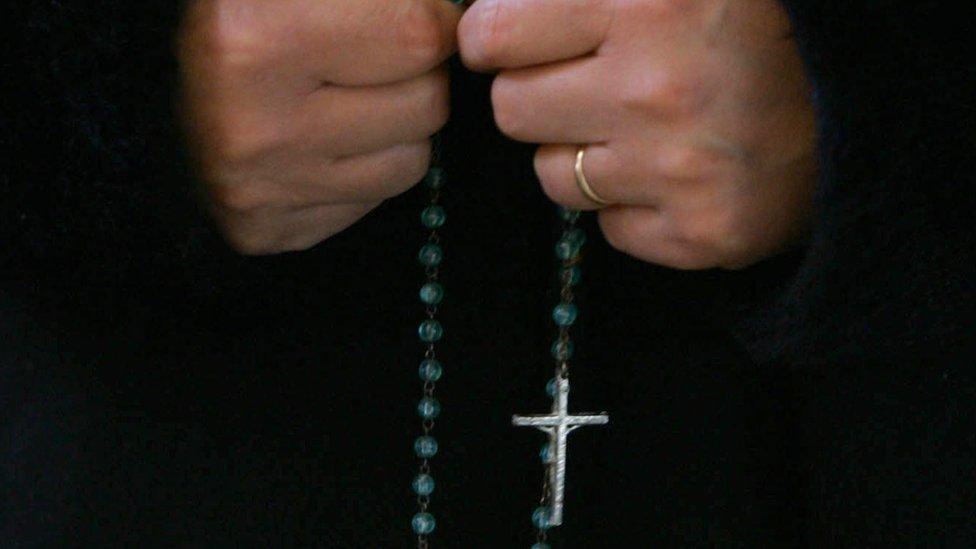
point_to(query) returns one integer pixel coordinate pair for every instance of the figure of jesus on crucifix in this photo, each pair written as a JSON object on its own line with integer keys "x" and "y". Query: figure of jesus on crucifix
{"x": 558, "y": 425}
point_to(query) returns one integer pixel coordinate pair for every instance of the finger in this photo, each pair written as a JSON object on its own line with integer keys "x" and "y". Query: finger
{"x": 276, "y": 230}
{"x": 497, "y": 34}
{"x": 309, "y": 227}
{"x": 375, "y": 41}
{"x": 649, "y": 235}
{"x": 374, "y": 176}
{"x": 607, "y": 173}
{"x": 329, "y": 123}
{"x": 557, "y": 103}
{"x": 653, "y": 172}
{"x": 314, "y": 179}
{"x": 364, "y": 42}
{"x": 554, "y": 166}
{"x": 341, "y": 121}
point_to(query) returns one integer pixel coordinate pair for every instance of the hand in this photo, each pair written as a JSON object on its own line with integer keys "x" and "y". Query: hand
{"x": 696, "y": 115}
{"x": 306, "y": 114}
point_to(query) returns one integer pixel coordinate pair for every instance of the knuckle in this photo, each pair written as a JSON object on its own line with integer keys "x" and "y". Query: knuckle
{"x": 230, "y": 38}
{"x": 399, "y": 171}
{"x": 700, "y": 230}
{"x": 235, "y": 142}
{"x": 505, "y": 107}
{"x": 551, "y": 189}
{"x": 490, "y": 41}
{"x": 238, "y": 199}
{"x": 420, "y": 35}
{"x": 226, "y": 137}
{"x": 686, "y": 163}
{"x": 417, "y": 162}
{"x": 618, "y": 240}
{"x": 409, "y": 168}
{"x": 668, "y": 93}
{"x": 616, "y": 231}
{"x": 549, "y": 181}
{"x": 246, "y": 240}
{"x": 716, "y": 230}
{"x": 437, "y": 102}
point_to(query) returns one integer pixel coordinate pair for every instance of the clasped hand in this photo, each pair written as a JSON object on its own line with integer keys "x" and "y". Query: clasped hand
{"x": 695, "y": 114}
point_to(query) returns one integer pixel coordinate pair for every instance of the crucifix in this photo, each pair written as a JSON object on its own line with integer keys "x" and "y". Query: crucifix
{"x": 558, "y": 425}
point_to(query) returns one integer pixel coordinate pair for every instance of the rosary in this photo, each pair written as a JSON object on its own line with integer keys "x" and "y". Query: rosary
{"x": 559, "y": 422}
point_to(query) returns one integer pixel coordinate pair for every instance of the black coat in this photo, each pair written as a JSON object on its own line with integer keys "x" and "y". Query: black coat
{"x": 158, "y": 390}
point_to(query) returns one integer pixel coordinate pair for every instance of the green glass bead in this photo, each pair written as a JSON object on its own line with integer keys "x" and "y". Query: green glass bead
{"x": 571, "y": 276}
{"x": 567, "y": 249}
{"x": 430, "y": 370}
{"x": 541, "y": 545}
{"x": 433, "y": 217}
{"x": 540, "y": 518}
{"x": 423, "y": 485}
{"x": 430, "y": 255}
{"x": 544, "y": 453}
{"x": 565, "y": 314}
{"x": 551, "y": 388}
{"x": 562, "y": 350}
{"x": 425, "y": 446}
{"x": 568, "y": 215}
{"x": 423, "y": 523}
{"x": 429, "y": 408}
{"x": 435, "y": 177}
{"x": 430, "y": 331}
{"x": 432, "y": 293}
{"x": 577, "y": 236}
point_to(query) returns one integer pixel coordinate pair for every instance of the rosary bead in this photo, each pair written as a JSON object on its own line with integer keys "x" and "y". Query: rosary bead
{"x": 430, "y": 255}
{"x": 430, "y": 331}
{"x": 429, "y": 408}
{"x": 544, "y": 453}
{"x": 567, "y": 249}
{"x": 564, "y": 314}
{"x": 562, "y": 350}
{"x": 568, "y": 215}
{"x": 430, "y": 370}
{"x": 423, "y": 523}
{"x": 577, "y": 236}
{"x": 433, "y": 217}
{"x": 541, "y": 545}
{"x": 571, "y": 275}
{"x": 432, "y": 293}
{"x": 425, "y": 446}
{"x": 423, "y": 484}
{"x": 540, "y": 518}
{"x": 551, "y": 388}
{"x": 435, "y": 178}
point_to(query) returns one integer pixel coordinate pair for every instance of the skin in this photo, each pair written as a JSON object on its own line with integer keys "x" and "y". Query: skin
{"x": 696, "y": 115}
{"x": 306, "y": 114}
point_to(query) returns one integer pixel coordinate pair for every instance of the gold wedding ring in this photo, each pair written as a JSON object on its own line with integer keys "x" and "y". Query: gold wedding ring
{"x": 582, "y": 183}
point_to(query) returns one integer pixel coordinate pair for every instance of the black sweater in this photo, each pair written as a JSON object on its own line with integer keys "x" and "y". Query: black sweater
{"x": 158, "y": 390}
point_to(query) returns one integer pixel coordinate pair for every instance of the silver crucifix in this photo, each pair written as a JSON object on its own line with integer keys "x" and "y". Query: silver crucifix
{"x": 558, "y": 425}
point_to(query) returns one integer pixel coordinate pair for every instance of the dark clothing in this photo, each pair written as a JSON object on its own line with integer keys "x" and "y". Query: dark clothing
{"x": 158, "y": 390}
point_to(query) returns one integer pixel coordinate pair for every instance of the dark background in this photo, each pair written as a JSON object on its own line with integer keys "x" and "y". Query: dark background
{"x": 158, "y": 390}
